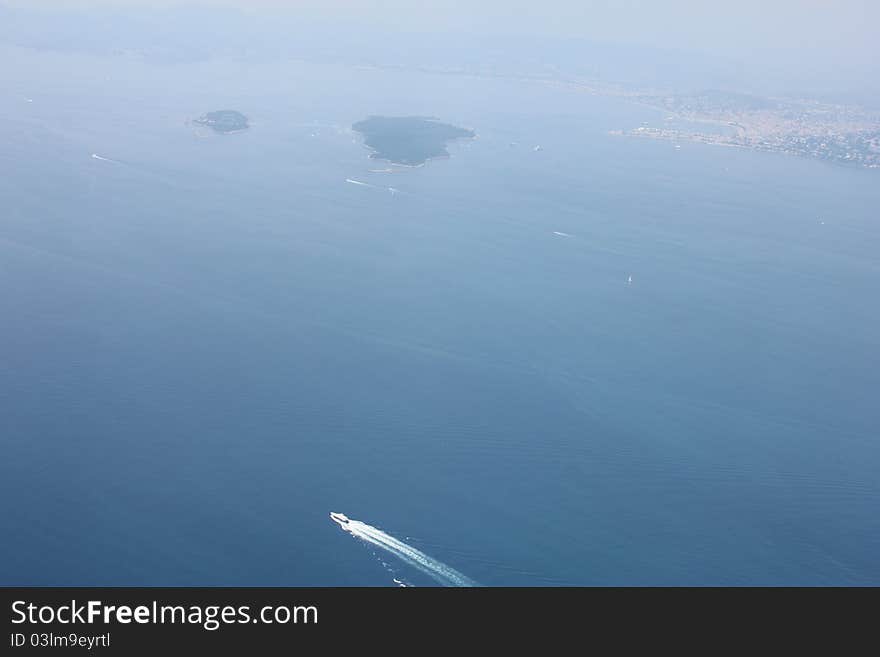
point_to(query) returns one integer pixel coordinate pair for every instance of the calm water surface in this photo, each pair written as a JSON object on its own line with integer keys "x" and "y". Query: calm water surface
{"x": 209, "y": 343}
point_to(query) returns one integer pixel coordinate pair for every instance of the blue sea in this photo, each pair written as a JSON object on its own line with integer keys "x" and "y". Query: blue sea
{"x": 607, "y": 361}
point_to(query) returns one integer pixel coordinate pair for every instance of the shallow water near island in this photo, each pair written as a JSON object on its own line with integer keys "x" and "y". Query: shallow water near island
{"x": 604, "y": 361}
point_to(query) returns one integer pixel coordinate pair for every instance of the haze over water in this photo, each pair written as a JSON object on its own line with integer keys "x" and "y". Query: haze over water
{"x": 209, "y": 343}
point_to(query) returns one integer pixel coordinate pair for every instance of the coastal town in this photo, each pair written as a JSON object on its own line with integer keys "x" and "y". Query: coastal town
{"x": 836, "y": 133}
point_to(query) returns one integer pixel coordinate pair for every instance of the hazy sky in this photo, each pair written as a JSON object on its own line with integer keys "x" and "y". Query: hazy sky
{"x": 839, "y": 28}
{"x": 832, "y": 41}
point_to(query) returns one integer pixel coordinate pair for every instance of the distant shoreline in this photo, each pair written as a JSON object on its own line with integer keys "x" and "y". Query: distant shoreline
{"x": 654, "y": 134}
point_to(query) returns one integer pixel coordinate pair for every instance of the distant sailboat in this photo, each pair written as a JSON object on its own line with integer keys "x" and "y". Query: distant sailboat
{"x": 629, "y": 280}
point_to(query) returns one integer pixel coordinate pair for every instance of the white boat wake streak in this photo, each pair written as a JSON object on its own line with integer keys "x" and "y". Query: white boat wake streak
{"x": 437, "y": 570}
{"x": 95, "y": 156}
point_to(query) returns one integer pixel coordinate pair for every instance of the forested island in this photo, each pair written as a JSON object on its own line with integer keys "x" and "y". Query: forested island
{"x": 408, "y": 140}
{"x": 224, "y": 121}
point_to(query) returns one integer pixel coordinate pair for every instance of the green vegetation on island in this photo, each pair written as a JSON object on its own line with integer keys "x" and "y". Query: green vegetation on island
{"x": 408, "y": 140}
{"x": 224, "y": 121}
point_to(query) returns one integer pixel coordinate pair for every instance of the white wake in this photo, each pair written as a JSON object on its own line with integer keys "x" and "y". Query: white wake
{"x": 437, "y": 570}
{"x": 357, "y": 182}
{"x": 95, "y": 156}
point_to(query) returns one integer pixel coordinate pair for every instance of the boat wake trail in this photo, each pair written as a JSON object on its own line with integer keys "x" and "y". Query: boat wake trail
{"x": 358, "y": 182}
{"x": 95, "y": 156}
{"x": 434, "y": 569}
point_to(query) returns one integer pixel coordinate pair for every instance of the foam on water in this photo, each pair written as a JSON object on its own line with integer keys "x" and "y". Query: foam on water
{"x": 437, "y": 570}
{"x": 95, "y": 156}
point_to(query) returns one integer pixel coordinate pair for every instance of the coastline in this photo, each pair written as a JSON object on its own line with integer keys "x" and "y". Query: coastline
{"x": 709, "y": 140}
{"x": 374, "y": 153}
{"x": 199, "y": 124}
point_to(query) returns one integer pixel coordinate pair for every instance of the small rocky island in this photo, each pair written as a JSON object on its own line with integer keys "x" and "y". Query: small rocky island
{"x": 408, "y": 140}
{"x": 224, "y": 121}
